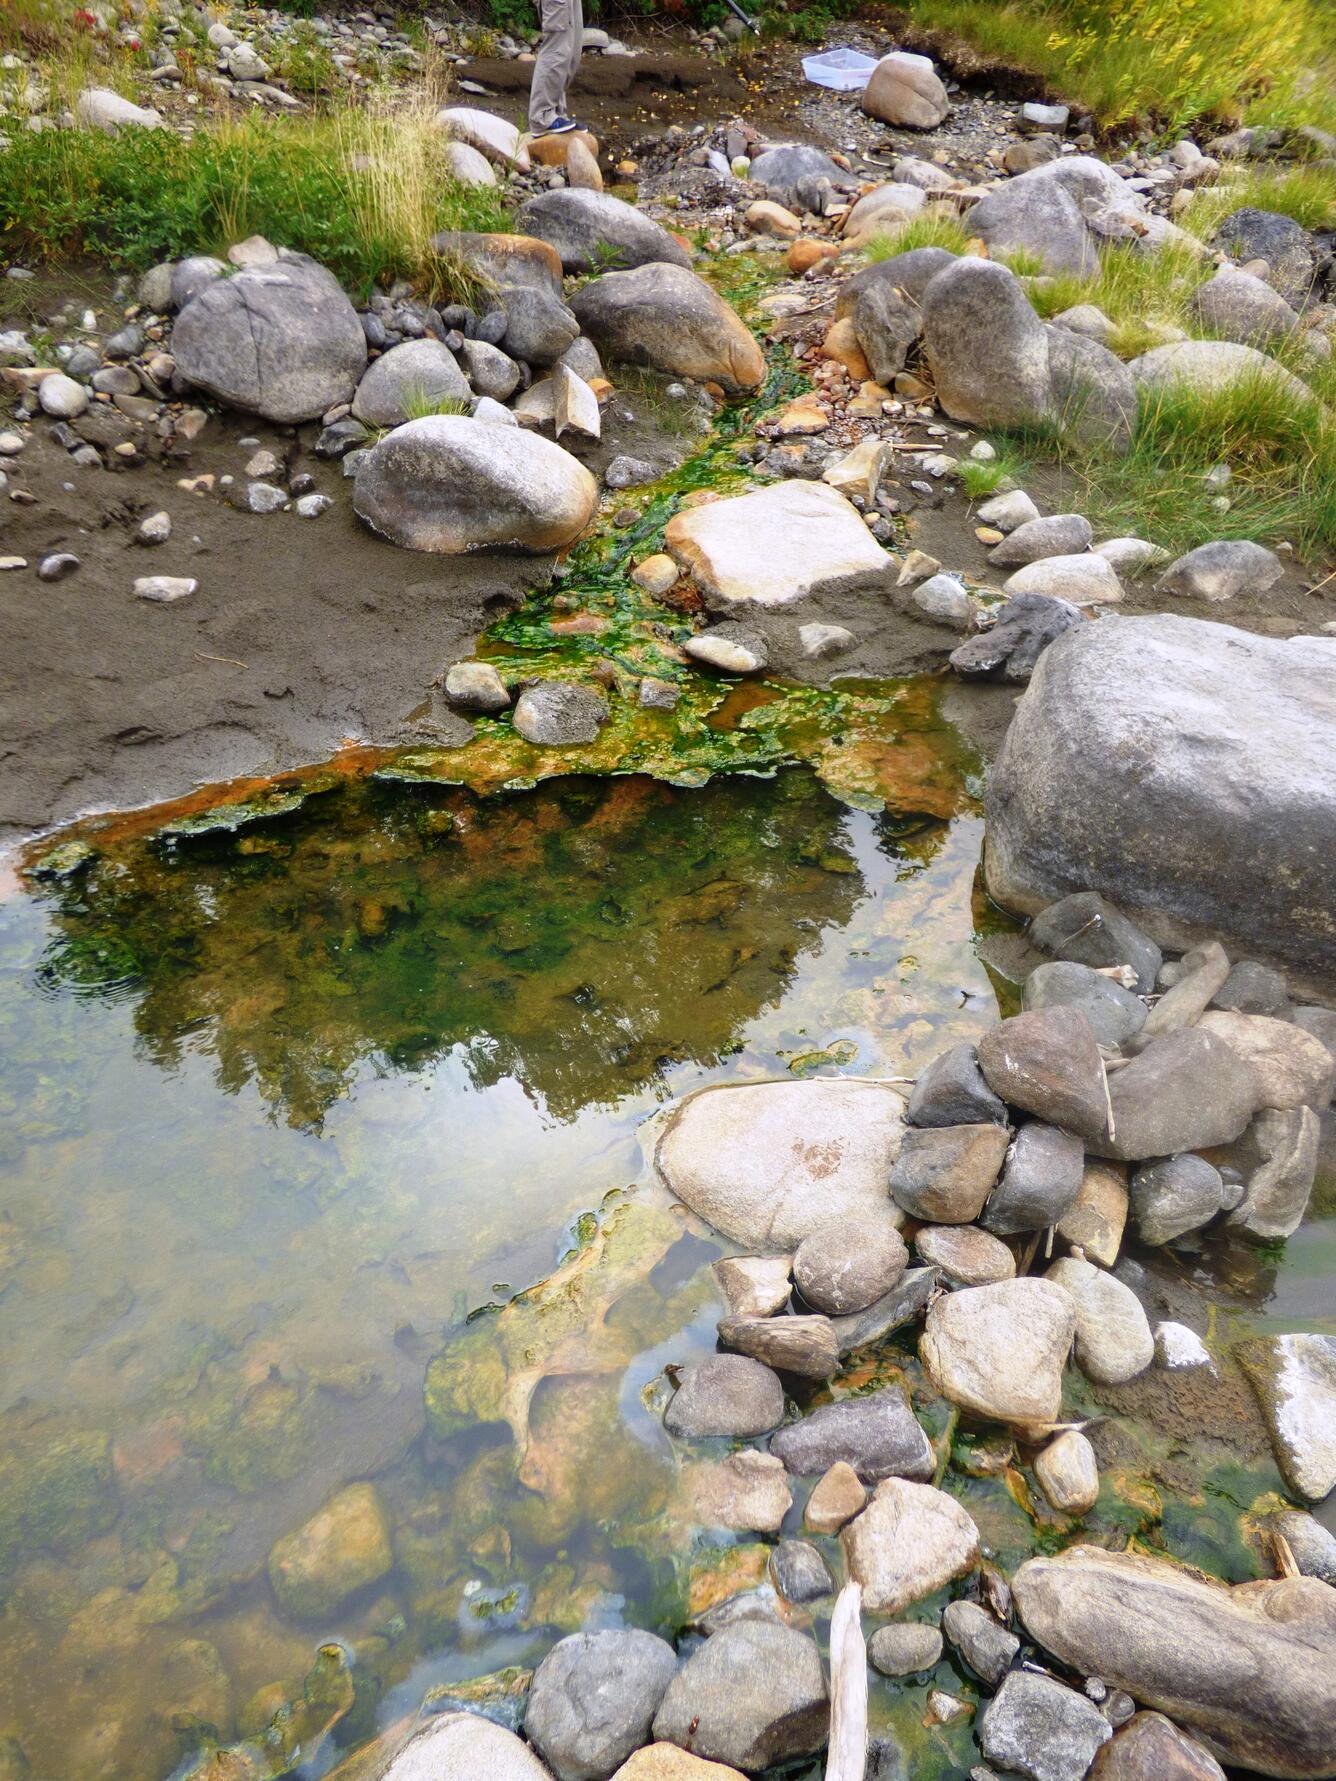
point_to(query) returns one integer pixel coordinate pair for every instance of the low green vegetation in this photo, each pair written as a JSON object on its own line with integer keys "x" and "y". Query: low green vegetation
{"x": 1277, "y": 445}
{"x": 981, "y": 477}
{"x": 1307, "y": 194}
{"x": 363, "y": 192}
{"x": 921, "y": 231}
{"x": 1174, "y": 61}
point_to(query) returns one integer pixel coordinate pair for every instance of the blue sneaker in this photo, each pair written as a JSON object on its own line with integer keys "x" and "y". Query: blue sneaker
{"x": 560, "y": 126}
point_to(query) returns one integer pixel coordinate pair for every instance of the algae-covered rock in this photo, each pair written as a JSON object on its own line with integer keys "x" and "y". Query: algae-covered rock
{"x": 56, "y": 1485}
{"x": 341, "y": 1549}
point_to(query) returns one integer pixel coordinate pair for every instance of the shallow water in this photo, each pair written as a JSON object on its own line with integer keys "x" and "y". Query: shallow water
{"x": 283, "y": 1106}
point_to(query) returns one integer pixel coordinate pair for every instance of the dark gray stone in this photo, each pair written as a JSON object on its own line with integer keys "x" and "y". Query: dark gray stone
{"x": 539, "y": 327}
{"x": 986, "y": 1647}
{"x": 1188, "y": 767}
{"x": 1040, "y": 1180}
{"x": 1252, "y": 988}
{"x": 1186, "y": 1091}
{"x": 910, "y": 272}
{"x": 888, "y": 325}
{"x": 945, "y": 1173}
{"x": 1088, "y": 930}
{"x": 593, "y": 1700}
{"x": 1233, "y": 305}
{"x": 877, "y": 1434}
{"x": 1041, "y": 1729}
{"x": 753, "y": 1696}
{"x": 781, "y": 170}
{"x": 952, "y": 1091}
{"x": 1174, "y": 1196}
{"x": 1252, "y": 234}
{"x": 1022, "y": 630}
{"x": 799, "y": 1572}
{"x": 1113, "y": 1012}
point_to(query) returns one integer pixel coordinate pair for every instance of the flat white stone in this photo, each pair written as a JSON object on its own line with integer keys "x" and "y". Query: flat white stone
{"x": 777, "y": 546}
{"x": 1177, "y": 1346}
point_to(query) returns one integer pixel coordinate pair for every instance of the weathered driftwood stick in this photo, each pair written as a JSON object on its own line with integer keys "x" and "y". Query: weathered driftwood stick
{"x": 847, "y": 1759}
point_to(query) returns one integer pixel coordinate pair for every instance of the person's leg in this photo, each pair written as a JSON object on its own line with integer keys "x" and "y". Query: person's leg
{"x": 547, "y": 90}
{"x": 575, "y": 46}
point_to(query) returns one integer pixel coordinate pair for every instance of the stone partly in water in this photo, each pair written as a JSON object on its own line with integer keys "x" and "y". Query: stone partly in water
{"x": 343, "y": 1548}
{"x": 1186, "y": 1091}
{"x": 449, "y": 484}
{"x": 1279, "y": 1187}
{"x": 281, "y": 341}
{"x": 999, "y": 1351}
{"x": 767, "y": 1162}
{"x": 593, "y": 1700}
{"x": 986, "y": 1647}
{"x": 462, "y": 1747}
{"x": 905, "y": 1649}
{"x": 877, "y": 1434}
{"x": 726, "y": 1394}
{"x": 777, "y": 545}
{"x": 1067, "y": 1473}
{"x": 909, "y": 1541}
{"x": 1294, "y": 1377}
{"x": 753, "y": 1696}
{"x": 1113, "y": 1335}
{"x": 748, "y": 1492}
{"x": 560, "y": 713}
{"x": 1042, "y": 1729}
{"x": 803, "y": 1346}
{"x": 1249, "y": 1669}
{"x": 754, "y": 1285}
{"x": 1175, "y": 1195}
{"x": 836, "y": 1498}
{"x": 668, "y": 318}
{"x": 1217, "y": 824}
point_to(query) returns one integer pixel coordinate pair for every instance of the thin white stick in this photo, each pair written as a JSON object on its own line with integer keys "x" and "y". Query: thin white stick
{"x": 847, "y": 1760}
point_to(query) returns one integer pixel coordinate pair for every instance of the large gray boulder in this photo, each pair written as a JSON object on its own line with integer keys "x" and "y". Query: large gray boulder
{"x": 450, "y": 484}
{"x": 423, "y": 371}
{"x": 997, "y": 365}
{"x": 1034, "y": 214}
{"x": 593, "y": 1700}
{"x": 663, "y": 316}
{"x": 1237, "y": 306}
{"x": 1183, "y": 769}
{"x": 1287, "y": 248}
{"x": 594, "y": 230}
{"x": 281, "y": 340}
{"x": 1211, "y": 365}
{"x": 500, "y": 260}
{"x": 1250, "y": 1670}
{"x": 753, "y": 1695}
{"x": 766, "y": 1163}
{"x": 911, "y": 272}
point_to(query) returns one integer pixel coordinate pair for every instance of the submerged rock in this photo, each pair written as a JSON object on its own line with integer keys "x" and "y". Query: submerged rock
{"x": 1249, "y": 1669}
{"x": 767, "y": 1162}
{"x": 986, "y": 1647}
{"x": 748, "y": 1491}
{"x": 341, "y": 1549}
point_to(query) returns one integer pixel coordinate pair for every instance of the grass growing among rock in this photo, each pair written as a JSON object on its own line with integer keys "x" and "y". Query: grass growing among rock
{"x": 1177, "y": 60}
{"x": 361, "y": 191}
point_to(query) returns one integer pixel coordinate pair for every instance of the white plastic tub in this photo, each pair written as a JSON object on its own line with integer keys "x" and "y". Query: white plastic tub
{"x": 843, "y": 70}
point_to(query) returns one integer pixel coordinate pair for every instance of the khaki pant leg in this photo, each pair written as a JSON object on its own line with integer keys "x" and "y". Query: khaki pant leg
{"x": 558, "y": 58}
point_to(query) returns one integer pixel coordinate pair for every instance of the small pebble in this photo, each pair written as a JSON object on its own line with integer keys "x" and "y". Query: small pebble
{"x": 165, "y": 588}
{"x": 156, "y": 529}
{"x": 13, "y": 563}
{"x": 55, "y": 567}
{"x": 312, "y": 506}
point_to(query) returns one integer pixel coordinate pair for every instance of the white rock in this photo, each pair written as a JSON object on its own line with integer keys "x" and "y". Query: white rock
{"x": 468, "y": 165}
{"x": 1177, "y": 1346}
{"x": 767, "y": 1162}
{"x": 1131, "y": 556}
{"x": 777, "y": 546}
{"x": 101, "y": 109}
{"x": 61, "y": 396}
{"x": 909, "y": 1541}
{"x": 155, "y": 529}
{"x": 165, "y": 588}
{"x": 1008, "y": 511}
{"x": 491, "y": 136}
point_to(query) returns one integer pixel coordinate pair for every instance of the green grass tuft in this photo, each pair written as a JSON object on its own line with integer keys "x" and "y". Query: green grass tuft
{"x": 981, "y": 477}
{"x": 1307, "y": 194}
{"x": 920, "y": 231}
{"x": 363, "y": 192}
